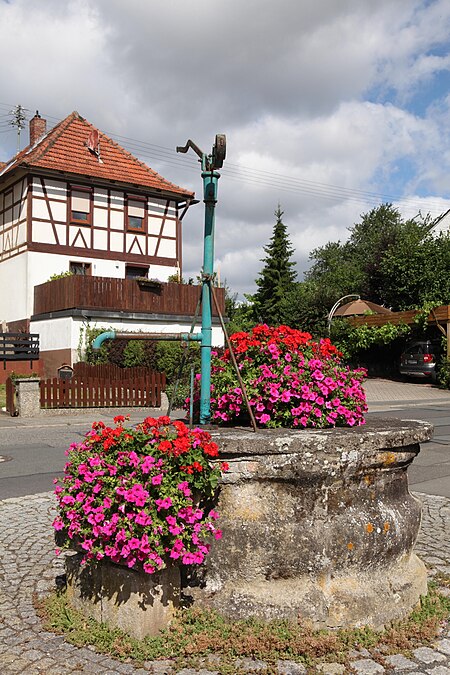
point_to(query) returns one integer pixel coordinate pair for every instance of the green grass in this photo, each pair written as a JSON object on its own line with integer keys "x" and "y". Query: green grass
{"x": 195, "y": 634}
{"x": 2, "y": 395}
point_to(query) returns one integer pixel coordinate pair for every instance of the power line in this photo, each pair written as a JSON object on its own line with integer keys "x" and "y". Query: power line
{"x": 257, "y": 177}
{"x": 267, "y": 178}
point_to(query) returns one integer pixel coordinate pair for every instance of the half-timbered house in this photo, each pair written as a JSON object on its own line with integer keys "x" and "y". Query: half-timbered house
{"x": 75, "y": 202}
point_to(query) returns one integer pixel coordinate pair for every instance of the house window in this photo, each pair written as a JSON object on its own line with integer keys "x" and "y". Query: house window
{"x": 132, "y": 271}
{"x": 80, "y": 205}
{"x": 136, "y": 214}
{"x": 81, "y": 268}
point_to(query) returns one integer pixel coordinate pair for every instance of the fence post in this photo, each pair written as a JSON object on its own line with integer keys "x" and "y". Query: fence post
{"x": 28, "y": 397}
{"x": 11, "y": 397}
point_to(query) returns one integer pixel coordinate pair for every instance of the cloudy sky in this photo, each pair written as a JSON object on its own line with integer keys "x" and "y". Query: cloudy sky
{"x": 330, "y": 107}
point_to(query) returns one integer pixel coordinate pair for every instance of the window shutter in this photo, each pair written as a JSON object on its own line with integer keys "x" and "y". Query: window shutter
{"x": 81, "y": 201}
{"x": 136, "y": 208}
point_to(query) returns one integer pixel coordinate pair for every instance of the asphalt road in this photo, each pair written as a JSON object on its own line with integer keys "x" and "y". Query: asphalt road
{"x": 32, "y": 451}
{"x": 31, "y": 456}
{"x": 430, "y": 471}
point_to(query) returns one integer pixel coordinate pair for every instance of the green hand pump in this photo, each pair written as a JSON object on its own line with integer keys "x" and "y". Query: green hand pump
{"x": 209, "y": 164}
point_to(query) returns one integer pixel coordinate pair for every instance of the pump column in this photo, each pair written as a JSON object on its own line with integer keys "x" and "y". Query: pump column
{"x": 210, "y": 185}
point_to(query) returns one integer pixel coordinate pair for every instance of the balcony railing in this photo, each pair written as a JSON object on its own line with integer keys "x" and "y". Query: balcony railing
{"x": 126, "y": 295}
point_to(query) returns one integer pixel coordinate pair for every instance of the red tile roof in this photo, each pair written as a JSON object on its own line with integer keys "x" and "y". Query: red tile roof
{"x": 64, "y": 149}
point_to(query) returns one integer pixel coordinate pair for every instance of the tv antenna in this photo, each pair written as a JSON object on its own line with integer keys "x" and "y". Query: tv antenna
{"x": 18, "y": 120}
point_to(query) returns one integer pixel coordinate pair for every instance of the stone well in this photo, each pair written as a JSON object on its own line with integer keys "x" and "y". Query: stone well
{"x": 317, "y": 524}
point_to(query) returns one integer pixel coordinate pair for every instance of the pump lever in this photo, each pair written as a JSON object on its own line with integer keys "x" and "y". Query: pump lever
{"x": 194, "y": 146}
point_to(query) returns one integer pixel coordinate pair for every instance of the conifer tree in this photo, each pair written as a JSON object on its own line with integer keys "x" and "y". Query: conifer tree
{"x": 276, "y": 278}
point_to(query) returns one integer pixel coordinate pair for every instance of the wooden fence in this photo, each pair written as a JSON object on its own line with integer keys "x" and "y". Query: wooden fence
{"x": 11, "y": 397}
{"x": 105, "y": 371}
{"x": 97, "y": 392}
{"x": 439, "y": 314}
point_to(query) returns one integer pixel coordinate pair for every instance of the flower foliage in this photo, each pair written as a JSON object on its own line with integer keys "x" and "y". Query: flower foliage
{"x": 138, "y": 496}
{"x": 291, "y": 381}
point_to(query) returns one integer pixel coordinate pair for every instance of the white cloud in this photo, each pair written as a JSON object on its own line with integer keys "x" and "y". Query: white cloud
{"x": 316, "y": 98}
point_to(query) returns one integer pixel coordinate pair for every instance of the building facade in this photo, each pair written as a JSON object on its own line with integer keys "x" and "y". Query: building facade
{"x": 75, "y": 203}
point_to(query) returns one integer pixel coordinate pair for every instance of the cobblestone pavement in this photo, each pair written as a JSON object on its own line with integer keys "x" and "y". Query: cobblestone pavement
{"x": 28, "y": 565}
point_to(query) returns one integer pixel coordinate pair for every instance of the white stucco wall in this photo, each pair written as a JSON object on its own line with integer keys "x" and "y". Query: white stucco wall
{"x": 41, "y": 266}
{"x": 13, "y": 288}
{"x": 55, "y": 333}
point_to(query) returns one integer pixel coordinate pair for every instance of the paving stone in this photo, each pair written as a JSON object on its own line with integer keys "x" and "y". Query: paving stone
{"x": 290, "y": 668}
{"x": 17, "y": 649}
{"x": 427, "y": 655}
{"x": 210, "y": 660}
{"x": 443, "y": 646}
{"x": 18, "y": 666}
{"x": 45, "y": 665}
{"x": 32, "y": 654}
{"x": 251, "y": 665}
{"x": 159, "y": 667}
{"x": 25, "y": 567}
{"x": 125, "y": 668}
{"x": 53, "y": 645}
{"x": 359, "y": 653}
{"x": 98, "y": 669}
{"x": 367, "y": 667}
{"x": 8, "y": 658}
{"x": 400, "y": 662}
{"x": 331, "y": 668}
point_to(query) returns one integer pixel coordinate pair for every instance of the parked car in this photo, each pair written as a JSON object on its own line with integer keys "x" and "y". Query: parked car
{"x": 420, "y": 358}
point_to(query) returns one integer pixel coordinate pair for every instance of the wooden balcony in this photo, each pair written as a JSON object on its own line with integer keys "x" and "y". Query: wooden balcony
{"x": 118, "y": 295}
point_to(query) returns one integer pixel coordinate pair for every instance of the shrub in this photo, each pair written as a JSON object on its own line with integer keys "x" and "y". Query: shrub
{"x": 60, "y": 275}
{"x": 137, "y": 353}
{"x": 169, "y": 355}
{"x": 139, "y": 496}
{"x": 444, "y": 373}
{"x": 21, "y": 376}
{"x": 291, "y": 381}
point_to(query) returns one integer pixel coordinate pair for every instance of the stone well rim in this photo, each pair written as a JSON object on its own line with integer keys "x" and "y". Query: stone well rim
{"x": 377, "y": 434}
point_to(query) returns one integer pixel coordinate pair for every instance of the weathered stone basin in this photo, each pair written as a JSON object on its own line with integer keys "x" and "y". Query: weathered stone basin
{"x": 140, "y": 604}
{"x": 317, "y": 524}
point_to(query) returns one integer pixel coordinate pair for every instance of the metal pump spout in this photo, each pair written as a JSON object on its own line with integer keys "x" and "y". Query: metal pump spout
{"x": 114, "y": 335}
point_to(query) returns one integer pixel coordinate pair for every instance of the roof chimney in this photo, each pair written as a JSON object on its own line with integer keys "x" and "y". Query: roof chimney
{"x": 38, "y": 128}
